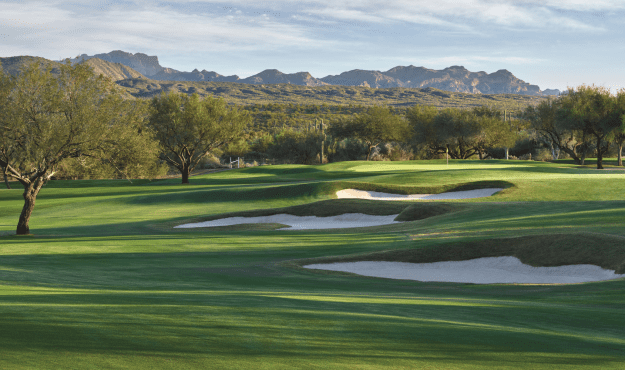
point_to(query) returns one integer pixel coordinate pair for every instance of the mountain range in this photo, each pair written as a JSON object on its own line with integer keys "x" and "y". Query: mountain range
{"x": 454, "y": 78}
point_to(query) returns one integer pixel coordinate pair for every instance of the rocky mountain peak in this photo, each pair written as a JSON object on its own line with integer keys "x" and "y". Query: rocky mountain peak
{"x": 455, "y": 78}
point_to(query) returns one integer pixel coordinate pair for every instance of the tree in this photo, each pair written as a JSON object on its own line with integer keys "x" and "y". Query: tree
{"x": 296, "y": 147}
{"x": 378, "y": 125}
{"x": 447, "y": 131}
{"x": 188, "y": 128}
{"x": 6, "y": 178}
{"x": 47, "y": 118}
{"x": 591, "y": 109}
{"x": 542, "y": 119}
{"x": 491, "y": 131}
{"x": 619, "y": 132}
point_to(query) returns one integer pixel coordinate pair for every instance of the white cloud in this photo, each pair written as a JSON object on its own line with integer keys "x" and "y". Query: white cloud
{"x": 63, "y": 32}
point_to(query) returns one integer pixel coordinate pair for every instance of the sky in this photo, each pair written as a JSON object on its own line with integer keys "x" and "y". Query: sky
{"x": 549, "y": 43}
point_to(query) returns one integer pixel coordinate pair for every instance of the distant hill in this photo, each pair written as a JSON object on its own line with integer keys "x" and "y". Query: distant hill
{"x": 142, "y": 63}
{"x": 283, "y": 93}
{"x": 454, "y": 78}
{"x": 13, "y": 65}
{"x": 116, "y": 71}
{"x": 273, "y": 86}
{"x": 273, "y": 76}
{"x": 168, "y": 74}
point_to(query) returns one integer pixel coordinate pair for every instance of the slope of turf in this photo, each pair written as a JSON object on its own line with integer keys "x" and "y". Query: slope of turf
{"x": 106, "y": 282}
{"x": 606, "y": 251}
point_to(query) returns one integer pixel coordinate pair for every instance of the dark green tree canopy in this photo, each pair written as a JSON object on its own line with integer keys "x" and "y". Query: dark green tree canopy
{"x": 461, "y": 133}
{"x": 188, "y": 128}
{"x": 378, "y": 125}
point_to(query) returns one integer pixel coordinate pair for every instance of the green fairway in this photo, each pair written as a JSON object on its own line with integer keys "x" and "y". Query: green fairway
{"x": 107, "y": 282}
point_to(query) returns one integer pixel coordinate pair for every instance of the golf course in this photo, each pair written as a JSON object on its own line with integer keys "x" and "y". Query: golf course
{"x": 107, "y": 280}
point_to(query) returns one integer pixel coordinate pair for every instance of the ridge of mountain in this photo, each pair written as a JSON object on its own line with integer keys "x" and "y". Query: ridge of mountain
{"x": 453, "y": 79}
{"x": 145, "y": 64}
{"x": 273, "y": 76}
{"x": 13, "y": 65}
{"x": 116, "y": 71}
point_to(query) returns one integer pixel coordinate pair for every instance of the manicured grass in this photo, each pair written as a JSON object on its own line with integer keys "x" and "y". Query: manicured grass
{"x": 106, "y": 282}
{"x": 606, "y": 251}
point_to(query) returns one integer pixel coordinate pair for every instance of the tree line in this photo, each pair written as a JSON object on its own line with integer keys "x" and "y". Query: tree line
{"x": 586, "y": 120}
{"x": 71, "y": 122}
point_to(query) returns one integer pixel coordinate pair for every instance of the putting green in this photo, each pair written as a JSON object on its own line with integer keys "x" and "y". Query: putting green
{"x": 107, "y": 282}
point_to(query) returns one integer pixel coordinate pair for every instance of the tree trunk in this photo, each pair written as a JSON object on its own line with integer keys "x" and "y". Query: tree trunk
{"x": 572, "y": 154}
{"x": 185, "y": 170}
{"x": 369, "y": 152}
{"x": 620, "y": 154}
{"x": 599, "y": 155}
{"x": 6, "y": 179}
{"x": 30, "y": 195}
{"x": 583, "y": 157}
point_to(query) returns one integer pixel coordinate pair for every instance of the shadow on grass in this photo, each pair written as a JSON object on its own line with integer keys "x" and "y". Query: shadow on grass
{"x": 253, "y": 325}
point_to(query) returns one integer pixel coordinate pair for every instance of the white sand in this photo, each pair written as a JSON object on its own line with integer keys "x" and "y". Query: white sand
{"x": 303, "y": 222}
{"x": 489, "y": 270}
{"x": 467, "y": 194}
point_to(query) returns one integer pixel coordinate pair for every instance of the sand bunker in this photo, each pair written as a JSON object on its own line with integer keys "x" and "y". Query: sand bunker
{"x": 488, "y": 270}
{"x": 303, "y": 222}
{"x": 467, "y": 194}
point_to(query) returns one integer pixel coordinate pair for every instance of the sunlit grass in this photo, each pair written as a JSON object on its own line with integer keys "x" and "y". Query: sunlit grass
{"x": 106, "y": 282}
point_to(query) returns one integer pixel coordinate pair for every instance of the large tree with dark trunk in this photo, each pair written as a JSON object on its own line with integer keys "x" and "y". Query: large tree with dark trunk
{"x": 447, "y": 131}
{"x": 47, "y": 118}
{"x": 593, "y": 110}
{"x": 542, "y": 120}
{"x": 188, "y": 128}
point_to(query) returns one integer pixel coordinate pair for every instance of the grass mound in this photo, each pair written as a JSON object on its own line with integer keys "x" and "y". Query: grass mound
{"x": 420, "y": 211}
{"x": 336, "y": 207}
{"x": 409, "y": 189}
{"x": 602, "y": 250}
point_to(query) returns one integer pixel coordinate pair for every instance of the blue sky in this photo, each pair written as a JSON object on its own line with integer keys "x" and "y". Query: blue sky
{"x": 550, "y": 43}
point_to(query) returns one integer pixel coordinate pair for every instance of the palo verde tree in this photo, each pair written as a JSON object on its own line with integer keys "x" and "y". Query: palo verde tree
{"x": 188, "y": 128}
{"x": 48, "y": 118}
{"x": 378, "y": 125}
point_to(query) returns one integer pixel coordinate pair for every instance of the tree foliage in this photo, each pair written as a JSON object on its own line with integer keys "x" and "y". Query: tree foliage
{"x": 377, "y": 126}
{"x": 542, "y": 120}
{"x": 592, "y": 110}
{"x": 583, "y": 119}
{"x": 460, "y": 133}
{"x": 47, "y": 119}
{"x": 188, "y": 128}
